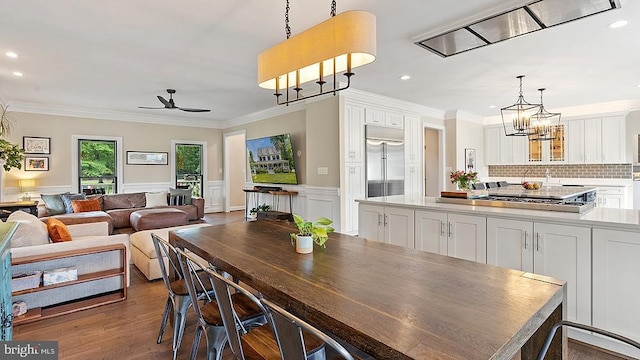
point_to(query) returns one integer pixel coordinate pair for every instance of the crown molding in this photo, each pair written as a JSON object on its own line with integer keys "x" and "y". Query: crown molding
{"x": 352, "y": 95}
{"x": 265, "y": 114}
{"x": 101, "y": 114}
{"x": 464, "y": 116}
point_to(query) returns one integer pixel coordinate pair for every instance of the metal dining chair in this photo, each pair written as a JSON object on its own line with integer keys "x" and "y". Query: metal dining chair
{"x": 210, "y": 321}
{"x": 559, "y": 324}
{"x": 257, "y": 342}
{"x": 289, "y": 334}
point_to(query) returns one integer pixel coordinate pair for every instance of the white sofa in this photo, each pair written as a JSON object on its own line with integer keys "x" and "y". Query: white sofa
{"x": 28, "y": 241}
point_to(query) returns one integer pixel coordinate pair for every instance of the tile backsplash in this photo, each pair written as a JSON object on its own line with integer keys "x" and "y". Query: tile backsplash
{"x": 594, "y": 171}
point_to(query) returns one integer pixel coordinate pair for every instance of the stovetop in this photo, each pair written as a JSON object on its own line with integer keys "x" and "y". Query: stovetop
{"x": 524, "y": 203}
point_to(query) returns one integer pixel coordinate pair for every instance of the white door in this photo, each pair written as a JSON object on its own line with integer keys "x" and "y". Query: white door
{"x": 616, "y": 290}
{"x": 370, "y": 225}
{"x": 399, "y": 226}
{"x": 467, "y": 237}
{"x": 509, "y": 244}
{"x": 564, "y": 252}
{"x": 431, "y": 231}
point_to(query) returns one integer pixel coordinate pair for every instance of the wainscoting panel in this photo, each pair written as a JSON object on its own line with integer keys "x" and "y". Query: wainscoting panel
{"x": 323, "y": 202}
{"x": 214, "y": 196}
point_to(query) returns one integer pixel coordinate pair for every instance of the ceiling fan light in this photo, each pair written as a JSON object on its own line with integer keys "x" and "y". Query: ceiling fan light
{"x": 300, "y": 57}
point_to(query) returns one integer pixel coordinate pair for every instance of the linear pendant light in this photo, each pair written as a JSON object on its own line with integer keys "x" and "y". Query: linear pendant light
{"x": 339, "y": 44}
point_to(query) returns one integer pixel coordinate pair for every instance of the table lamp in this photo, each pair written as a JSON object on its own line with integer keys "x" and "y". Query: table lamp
{"x": 27, "y": 185}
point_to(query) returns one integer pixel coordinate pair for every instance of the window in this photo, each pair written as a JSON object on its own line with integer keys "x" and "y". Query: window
{"x": 97, "y": 170}
{"x": 188, "y": 167}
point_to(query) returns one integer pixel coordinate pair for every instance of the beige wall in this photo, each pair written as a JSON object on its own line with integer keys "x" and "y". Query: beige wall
{"x": 135, "y": 136}
{"x": 323, "y": 142}
{"x": 236, "y": 145}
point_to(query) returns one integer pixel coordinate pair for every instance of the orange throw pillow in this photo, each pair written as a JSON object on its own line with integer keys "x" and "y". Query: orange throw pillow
{"x": 58, "y": 231}
{"x": 85, "y": 205}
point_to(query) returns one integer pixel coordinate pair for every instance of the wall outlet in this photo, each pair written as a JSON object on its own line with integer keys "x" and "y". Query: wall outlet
{"x": 323, "y": 170}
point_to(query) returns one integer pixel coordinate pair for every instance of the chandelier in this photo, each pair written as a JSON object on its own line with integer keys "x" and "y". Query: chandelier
{"x": 320, "y": 54}
{"x": 543, "y": 123}
{"x": 519, "y": 114}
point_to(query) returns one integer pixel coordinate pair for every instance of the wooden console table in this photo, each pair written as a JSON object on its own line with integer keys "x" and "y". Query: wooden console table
{"x": 275, "y": 201}
{"x": 7, "y": 208}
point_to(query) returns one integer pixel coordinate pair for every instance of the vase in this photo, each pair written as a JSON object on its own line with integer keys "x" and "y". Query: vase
{"x": 464, "y": 186}
{"x": 304, "y": 244}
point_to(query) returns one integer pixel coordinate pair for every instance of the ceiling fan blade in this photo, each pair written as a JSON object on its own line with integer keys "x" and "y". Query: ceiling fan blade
{"x": 149, "y": 107}
{"x": 194, "y": 110}
{"x": 165, "y": 102}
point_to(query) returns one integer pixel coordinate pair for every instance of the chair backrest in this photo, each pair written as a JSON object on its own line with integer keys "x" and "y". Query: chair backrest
{"x": 288, "y": 329}
{"x": 222, "y": 291}
{"x": 492, "y": 185}
{"x": 503, "y": 184}
{"x": 164, "y": 250}
{"x": 478, "y": 186}
{"x": 197, "y": 279}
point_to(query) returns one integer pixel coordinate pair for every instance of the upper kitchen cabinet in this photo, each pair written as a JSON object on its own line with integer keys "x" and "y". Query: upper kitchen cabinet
{"x": 383, "y": 118}
{"x": 548, "y": 151}
{"x": 597, "y": 140}
{"x": 492, "y": 145}
{"x": 354, "y": 127}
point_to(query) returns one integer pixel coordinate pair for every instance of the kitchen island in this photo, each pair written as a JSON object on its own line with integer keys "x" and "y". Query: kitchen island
{"x": 596, "y": 252}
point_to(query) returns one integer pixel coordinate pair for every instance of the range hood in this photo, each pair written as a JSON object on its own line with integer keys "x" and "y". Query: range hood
{"x": 532, "y": 17}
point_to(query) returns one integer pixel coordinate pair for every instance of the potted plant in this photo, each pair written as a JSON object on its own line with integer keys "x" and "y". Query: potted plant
{"x": 11, "y": 155}
{"x": 310, "y": 232}
{"x": 254, "y": 211}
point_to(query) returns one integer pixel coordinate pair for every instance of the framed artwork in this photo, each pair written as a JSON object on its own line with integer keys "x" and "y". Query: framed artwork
{"x": 147, "y": 158}
{"x": 36, "y": 163}
{"x": 470, "y": 160}
{"x": 36, "y": 145}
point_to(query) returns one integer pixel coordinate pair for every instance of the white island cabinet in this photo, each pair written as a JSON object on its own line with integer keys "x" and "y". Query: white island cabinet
{"x": 616, "y": 286}
{"x": 456, "y": 235}
{"x": 392, "y": 225}
{"x": 559, "y": 251}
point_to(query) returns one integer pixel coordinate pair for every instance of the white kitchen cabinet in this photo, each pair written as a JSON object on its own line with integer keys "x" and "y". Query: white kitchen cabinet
{"x": 461, "y": 236}
{"x": 355, "y": 182}
{"x": 616, "y": 293}
{"x": 575, "y": 141}
{"x": 597, "y": 140}
{"x": 492, "y": 145}
{"x": 413, "y": 180}
{"x": 392, "y": 225}
{"x": 559, "y": 251}
{"x": 593, "y": 140}
{"x": 613, "y": 140}
{"x": 413, "y": 135}
{"x": 613, "y": 197}
{"x": 354, "y": 133}
{"x": 383, "y": 117}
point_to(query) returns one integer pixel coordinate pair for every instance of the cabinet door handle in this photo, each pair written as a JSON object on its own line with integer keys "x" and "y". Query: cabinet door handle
{"x": 538, "y": 242}
{"x": 441, "y": 228}
{"x": 385, "y": 220}
{"x": 526, "y": 239}
{"x": 450, "y": 229}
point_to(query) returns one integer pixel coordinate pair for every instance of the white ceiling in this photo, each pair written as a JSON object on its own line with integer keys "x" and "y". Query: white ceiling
{"x": 118, "y": 55}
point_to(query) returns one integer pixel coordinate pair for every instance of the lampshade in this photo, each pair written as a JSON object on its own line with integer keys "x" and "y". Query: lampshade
{"x": 27, "y": 185}
{"x": 347, "y": 40}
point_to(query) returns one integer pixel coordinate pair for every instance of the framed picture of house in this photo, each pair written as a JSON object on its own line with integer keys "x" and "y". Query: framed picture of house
{"x": 36, "y": 163}
{"x": 147, "y": 158}
{"x": 36, "y": 145}
{"x": 470, "y": 160}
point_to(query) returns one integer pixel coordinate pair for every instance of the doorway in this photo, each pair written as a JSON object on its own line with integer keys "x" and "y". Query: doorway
{"x": 433, "y": 161}
{"x": 235, "y": 170}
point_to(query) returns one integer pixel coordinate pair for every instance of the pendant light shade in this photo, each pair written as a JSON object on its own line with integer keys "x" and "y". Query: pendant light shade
{"x": 544, "y": 123}
{"x": 337, "y": 45}
{"x": 518, "y": 115}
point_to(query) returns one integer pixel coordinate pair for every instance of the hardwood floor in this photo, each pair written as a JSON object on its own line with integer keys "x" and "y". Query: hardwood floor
{"x": 128, "y": 329}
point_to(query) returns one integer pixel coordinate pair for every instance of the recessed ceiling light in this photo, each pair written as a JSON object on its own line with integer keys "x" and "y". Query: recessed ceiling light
{"x": 492, "y": 106}
{"x": 18, "y": 73}
{"x": 405, "y": 77}
{"x": 618, "y": 24}
{"x": 11, "y": 54}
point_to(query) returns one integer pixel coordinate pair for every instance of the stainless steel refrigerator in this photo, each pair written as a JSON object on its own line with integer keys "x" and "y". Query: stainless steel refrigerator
{"x": 385, "y": 161}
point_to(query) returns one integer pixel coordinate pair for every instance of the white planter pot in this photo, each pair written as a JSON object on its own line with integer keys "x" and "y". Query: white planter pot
{"x": 304, "y": 244}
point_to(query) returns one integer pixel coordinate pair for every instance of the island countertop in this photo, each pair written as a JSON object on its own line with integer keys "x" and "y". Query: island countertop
{"x": 620, "y": 219}
{"x": 545, "y": 192}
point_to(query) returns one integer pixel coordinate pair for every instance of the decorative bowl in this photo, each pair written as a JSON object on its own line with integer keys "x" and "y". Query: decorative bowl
{"x": 532, "y": 185}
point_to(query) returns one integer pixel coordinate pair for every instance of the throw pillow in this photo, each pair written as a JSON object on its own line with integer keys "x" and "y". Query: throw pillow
{"x": 185, "y": 192}
{"x": 31, "y": 231}
{"x": 156, "y": 199}
{"x": 58, "y": 231}
{"x": 53, "y": 203}
{"x": 67, "y": 198}
{"x": 85, "y": 205}
{"x": 177, "y": 200}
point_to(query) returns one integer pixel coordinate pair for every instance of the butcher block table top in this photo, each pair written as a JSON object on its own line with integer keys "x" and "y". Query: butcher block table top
{"x": 389, "y": 301}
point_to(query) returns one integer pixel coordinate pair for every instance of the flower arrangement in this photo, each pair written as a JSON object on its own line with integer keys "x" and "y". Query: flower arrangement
{"x": 464, "y": 180}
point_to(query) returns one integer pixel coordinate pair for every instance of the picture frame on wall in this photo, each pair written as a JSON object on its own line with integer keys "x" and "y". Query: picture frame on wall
{"x": 147, "y": 158}
{"x": 36, "y": 145}
{"x": 470, "y": 160}
{"x": 36, "y": 163}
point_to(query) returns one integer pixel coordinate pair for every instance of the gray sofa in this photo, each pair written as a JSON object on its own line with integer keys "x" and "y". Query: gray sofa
{"x": 117, "y": 209}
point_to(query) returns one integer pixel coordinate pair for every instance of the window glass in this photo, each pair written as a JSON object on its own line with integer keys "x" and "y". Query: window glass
{"x": 97, "y": 168}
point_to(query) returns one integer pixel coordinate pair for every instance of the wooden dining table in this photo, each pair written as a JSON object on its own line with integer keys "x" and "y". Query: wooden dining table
{"x": 386, "y": 300}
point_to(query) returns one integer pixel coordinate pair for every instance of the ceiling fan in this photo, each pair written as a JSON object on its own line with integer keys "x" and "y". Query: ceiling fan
{"x": 170, "y": 104}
